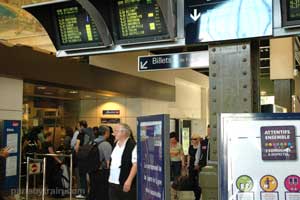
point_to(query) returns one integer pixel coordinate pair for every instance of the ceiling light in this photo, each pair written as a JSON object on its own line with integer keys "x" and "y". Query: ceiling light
{"x": 73, "y": 92}
{"x": 87, "y": 96}
{"x": 48, "y": 93}
{"x": 41, "y": 88}
{"x": 263, "y": 93}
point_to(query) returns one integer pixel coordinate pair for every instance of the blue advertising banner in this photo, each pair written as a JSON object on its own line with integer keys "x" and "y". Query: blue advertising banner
{"x": 11, "y": 138}
{"x": 153, "y": 158}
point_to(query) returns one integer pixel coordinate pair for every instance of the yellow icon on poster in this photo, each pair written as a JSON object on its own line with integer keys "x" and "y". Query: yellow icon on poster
{"x": 268, "y": 183}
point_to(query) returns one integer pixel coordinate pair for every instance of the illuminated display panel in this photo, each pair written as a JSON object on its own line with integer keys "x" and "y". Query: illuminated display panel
{"x": 75, "y": 28}
{"x": 293, "y": 10}
{"x": 220, "y": 20}
{"x": 138, "y": 21}
{"x": 290, "y": 13}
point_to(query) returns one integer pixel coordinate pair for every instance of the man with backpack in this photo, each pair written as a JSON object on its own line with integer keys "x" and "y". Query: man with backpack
{"x": 84, "y": 137}
{"x": 99, "y": 176}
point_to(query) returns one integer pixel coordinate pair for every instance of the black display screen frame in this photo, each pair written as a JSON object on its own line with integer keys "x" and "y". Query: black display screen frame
{"x": 132, "y": 40}
{"x": 286, "y": 22}
{"x": 82, "y": 45}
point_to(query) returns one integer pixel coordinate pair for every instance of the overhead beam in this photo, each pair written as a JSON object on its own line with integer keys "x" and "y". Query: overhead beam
{"x": 25, "y": 63}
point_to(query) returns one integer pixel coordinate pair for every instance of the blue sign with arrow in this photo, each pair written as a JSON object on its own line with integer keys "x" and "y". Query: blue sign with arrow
{"x": 197, "y": 59}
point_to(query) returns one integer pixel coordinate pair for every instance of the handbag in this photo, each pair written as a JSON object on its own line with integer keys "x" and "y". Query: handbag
{"x": 183, "y": 182}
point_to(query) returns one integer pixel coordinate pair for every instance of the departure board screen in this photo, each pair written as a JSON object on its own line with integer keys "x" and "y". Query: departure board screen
{"x": 293, "y": 9}
{"x": 139, "y": 19}
{"x": 75, "y": 28}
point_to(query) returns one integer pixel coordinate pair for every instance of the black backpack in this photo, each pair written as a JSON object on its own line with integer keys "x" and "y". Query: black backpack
{"x": 88, "y": 157}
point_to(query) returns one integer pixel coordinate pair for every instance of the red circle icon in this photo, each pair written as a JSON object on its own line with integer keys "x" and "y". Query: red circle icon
{"x": 34, "y": 168}
{"x": 292, "y": 183}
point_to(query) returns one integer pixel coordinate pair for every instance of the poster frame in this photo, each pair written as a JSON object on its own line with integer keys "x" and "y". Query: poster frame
{"x": 223, "y": 166}
{"x": 12, "y": 182}
{"x": 165, "y": 119}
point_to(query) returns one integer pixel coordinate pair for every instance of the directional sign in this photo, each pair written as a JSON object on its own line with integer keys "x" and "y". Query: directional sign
{"x": 218, "y": 20}
{"x": 195, "y": 16}
{"x": 174, "y": 61}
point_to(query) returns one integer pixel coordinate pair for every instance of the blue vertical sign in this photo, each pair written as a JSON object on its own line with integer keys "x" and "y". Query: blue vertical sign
{"x": 11, "y": 138}
{"x": 153, "y": 158}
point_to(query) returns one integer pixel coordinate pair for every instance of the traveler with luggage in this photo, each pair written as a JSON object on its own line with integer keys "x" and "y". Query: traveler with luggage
{"x": 99, "y": 177}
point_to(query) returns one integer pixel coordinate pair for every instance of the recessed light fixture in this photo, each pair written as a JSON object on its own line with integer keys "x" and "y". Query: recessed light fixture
{"x": 48, "y": 93}
{"x": 41, "y": 88}
{"x": 263, "y": 93}
{"x": 73, "y": 92}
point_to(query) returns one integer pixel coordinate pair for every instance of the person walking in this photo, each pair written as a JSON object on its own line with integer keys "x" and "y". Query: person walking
{"x": 177, "y": 157}
{"x": 193, "y": 165}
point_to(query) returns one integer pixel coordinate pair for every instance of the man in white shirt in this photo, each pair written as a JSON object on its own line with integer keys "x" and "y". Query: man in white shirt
{"x": 123, "y": 169}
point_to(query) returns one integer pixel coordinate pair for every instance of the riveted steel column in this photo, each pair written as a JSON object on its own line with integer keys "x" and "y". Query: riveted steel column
{"x": 234, "y": 85}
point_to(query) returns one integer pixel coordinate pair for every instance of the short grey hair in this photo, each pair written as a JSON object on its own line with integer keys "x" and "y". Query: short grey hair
{"x": 126, "y": 128}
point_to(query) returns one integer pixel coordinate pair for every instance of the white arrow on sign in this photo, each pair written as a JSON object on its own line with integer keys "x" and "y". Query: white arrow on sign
{"x": 196, "y": 15}
{"x": 143, "y": 65}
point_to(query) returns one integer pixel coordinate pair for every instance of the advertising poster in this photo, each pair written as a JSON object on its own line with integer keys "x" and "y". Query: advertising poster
{"x": 11, "y": 138}
{"x": 151, "y": 159}
{"x": 259, "y": 156}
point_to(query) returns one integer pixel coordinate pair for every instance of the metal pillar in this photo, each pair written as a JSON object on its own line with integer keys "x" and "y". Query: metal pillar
{"x": 233, "y": 75}
{"x": 283, "y": 90}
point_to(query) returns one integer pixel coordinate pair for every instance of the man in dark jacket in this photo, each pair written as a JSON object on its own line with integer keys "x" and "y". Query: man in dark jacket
{"x": 123, "y": 169}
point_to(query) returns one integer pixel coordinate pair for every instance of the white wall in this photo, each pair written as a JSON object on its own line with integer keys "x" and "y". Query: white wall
{"x": 191, "y": 93}
{"x": 11, "y": 100}
{"x": 188, "y": 105}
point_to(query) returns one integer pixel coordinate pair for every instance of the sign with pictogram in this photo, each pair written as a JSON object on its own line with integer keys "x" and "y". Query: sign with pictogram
{"x": 34, "y": 168}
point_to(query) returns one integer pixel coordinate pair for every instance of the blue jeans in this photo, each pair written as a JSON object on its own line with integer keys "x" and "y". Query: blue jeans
{"x": 175, "y": 169}
{"x": 83, "y": 182}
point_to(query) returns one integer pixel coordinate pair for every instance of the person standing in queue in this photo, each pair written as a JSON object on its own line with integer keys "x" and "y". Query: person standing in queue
{"x": 4, "y": 153}
{"x": 99, "y": 178}
{"x": 53, "y": 164}
{"x": 193, "y": 165}
{"x": 81, "y": 140}
{"x": 177, "y": 157}
{"x": 123, "y": 168}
